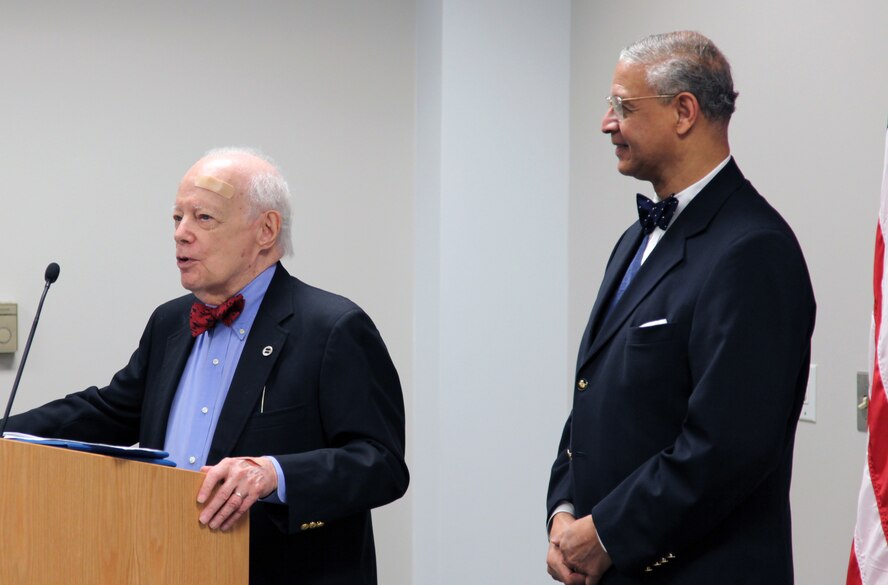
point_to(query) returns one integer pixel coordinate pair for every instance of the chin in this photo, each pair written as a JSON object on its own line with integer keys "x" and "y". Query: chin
{"x": 625, "y": 169}
{"x": 188, "y": 285}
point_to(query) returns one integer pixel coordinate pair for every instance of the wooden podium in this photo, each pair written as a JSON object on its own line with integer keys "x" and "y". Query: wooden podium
{"x": 79, "y": 518}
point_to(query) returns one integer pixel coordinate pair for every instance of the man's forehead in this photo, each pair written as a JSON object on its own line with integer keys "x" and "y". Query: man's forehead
{"x": 629, "y": 76}
{"x": 214, "y": 184}
{"x": 216, "y": 175}
{"x": 193, "y": 197}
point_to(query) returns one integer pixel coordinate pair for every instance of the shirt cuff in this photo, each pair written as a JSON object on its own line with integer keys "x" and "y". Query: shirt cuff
{"x": 565, "y": 506}
{"x": 278, "y": 496}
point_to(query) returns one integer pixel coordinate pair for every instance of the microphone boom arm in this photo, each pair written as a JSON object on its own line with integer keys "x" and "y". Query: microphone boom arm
{"x": 52, "y": 273}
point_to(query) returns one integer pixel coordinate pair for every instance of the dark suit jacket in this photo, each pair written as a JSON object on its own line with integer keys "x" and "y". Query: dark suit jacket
{"x": 333, "y": 417}
{"x": 680, "y": 439}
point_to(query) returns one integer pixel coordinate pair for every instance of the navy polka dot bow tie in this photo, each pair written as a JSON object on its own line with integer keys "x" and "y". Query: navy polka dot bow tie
{"x": 204, "y": 317}
{"x": 652, "y": 215}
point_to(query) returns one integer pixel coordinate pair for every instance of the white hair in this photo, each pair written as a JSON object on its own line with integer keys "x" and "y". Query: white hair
{"x": 268, "y": 192}
{"x": 687, "y": 61}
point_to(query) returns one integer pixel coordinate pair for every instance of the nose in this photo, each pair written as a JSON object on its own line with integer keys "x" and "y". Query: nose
{"x": 183, "y": 233}
{"x": 610, "y": 123}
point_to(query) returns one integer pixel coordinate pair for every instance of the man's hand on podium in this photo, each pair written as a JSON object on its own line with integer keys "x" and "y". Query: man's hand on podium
{"x": 231, "y": 487}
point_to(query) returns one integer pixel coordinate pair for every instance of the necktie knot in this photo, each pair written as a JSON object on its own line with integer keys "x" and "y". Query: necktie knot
{"x": 204, "y": 318}
{"x": 655, "y": 215}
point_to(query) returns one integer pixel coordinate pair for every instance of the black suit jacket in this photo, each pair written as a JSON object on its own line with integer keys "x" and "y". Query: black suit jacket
{"x": 680, "y": 439}
{"x": 333, "y": 417}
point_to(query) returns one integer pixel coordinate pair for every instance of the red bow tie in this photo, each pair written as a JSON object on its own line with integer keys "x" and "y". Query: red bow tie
{"x": 204, "y": 317}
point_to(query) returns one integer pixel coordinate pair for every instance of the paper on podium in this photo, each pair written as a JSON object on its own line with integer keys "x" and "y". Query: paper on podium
{"x": 132, "y": 453}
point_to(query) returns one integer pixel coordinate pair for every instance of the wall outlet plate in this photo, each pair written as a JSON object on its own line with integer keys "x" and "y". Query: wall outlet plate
{"x": 861, "y": 400}
{"x": 809, "y": 407}
{"x": 8, "y": 327}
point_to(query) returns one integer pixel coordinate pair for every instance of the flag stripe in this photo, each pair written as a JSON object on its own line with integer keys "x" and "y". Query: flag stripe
{"x": 868, "y": 564}
{"x": 853, "y": 577}
{"x": 878, "y": 445}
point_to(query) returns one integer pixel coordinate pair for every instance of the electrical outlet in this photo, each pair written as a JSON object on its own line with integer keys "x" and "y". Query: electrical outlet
{"x": 8, "y": 327}
{"x": 809, "y": 407}
{"x": 861, "y": 399}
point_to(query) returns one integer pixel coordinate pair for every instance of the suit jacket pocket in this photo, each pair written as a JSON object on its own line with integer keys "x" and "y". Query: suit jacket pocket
{"x": 655, "y": 373}
{"x": 287, "y": 430}
{"x": 651, "y": 335}
{"x": 277, "y": 418}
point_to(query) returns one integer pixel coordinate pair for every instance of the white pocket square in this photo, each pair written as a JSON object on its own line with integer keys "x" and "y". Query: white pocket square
{"x": 653, "y": 323}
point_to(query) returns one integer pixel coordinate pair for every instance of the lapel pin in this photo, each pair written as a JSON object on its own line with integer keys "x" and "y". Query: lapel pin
{"x": 266, "y": 351}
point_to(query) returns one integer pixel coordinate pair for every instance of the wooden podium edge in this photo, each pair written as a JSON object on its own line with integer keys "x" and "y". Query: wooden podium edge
{"x": 75, "y": 517}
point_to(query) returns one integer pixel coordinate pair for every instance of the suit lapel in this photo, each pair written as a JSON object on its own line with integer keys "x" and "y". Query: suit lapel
{"x": 178, "y": 348}
{"x": 255, "y": 365}
{"x": 620, "y": 259}
{"x": 668, "y": 253}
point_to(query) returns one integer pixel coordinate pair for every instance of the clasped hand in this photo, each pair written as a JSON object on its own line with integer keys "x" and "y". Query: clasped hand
{"x": 575, "y": 555}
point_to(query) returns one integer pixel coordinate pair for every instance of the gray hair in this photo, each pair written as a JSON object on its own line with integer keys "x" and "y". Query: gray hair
{"x": 268, "y": 192}
{"x": 686, "y": 61}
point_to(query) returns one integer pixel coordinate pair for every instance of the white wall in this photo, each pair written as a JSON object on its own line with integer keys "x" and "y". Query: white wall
{"x": 809, "y": 132}
{"x": 104, "y": 107}
{"x": 491, "y": 285}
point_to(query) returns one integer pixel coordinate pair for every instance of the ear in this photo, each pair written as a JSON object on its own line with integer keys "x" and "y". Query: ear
{"x": 269, "y": 229}
{"x": 687, "y": 110}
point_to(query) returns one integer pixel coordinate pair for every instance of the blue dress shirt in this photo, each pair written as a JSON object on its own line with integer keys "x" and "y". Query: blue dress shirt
{"x": 205, "y": 382}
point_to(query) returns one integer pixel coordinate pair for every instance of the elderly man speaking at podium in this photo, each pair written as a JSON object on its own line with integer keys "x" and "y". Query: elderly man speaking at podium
{"x": 284, "y": 394}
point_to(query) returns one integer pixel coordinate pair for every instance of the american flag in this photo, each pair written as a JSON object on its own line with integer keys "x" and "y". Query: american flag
{"x": 869, "y": 554}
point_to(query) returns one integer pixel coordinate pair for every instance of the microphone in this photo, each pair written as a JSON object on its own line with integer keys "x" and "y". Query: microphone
{"x": 50, "y": 276}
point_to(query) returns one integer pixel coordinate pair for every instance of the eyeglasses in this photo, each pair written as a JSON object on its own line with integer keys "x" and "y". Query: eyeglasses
{"x": 616, "y": 102}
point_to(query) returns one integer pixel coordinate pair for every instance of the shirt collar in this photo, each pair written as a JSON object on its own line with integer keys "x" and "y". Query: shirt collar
{"x": 686, "y": 195}
{"x": 253, "y": 293}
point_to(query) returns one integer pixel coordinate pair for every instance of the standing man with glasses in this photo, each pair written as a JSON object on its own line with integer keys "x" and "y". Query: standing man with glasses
{"x": 675, "y": 462}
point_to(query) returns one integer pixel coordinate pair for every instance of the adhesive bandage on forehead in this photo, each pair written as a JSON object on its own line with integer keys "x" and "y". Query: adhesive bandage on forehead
{"x": 215, "y": 185}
